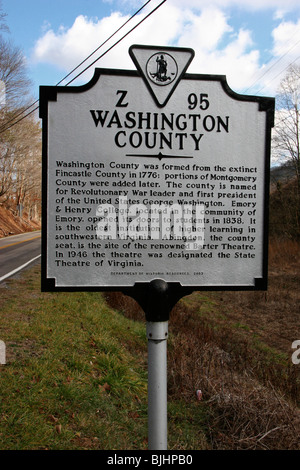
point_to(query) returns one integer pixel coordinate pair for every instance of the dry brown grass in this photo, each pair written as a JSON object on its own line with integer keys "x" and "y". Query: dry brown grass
{"x": 284, "y": 211}
{"x": 272, "y": 315}
{"x": 236, "y": 348}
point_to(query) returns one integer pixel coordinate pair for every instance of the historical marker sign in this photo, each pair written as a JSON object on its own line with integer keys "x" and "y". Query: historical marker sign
{"x": 155, "y": 174}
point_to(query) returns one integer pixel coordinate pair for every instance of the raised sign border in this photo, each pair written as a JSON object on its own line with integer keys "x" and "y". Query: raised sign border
{"x": 141, "y": 292}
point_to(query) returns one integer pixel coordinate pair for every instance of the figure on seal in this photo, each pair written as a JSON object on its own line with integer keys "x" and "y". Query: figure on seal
{"x": 161, "y": 68}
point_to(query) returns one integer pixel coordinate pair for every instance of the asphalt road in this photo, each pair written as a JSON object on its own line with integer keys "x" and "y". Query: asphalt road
{"x": 17, "y": 252}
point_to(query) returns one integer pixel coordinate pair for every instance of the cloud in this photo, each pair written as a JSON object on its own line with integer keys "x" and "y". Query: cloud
{"x": 173, "y": 26}
{"x": 235, "y": 61}
{"x": 286, "y": 38}
{"x": 251, "y": 5}
{"x": 67, "y": 47}
{"x": 206, "y": 29}
{"x": 285, "y": 51}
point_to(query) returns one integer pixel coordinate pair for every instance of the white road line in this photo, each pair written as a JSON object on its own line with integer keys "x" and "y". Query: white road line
{"x": 18, "y": 269}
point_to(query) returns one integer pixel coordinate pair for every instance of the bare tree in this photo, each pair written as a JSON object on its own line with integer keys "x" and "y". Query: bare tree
{"x": 3, "y": 26}
{"x": 20, "y": 142}
{"x": 14, "y": 81}
{"x": 20, "y": 166}
{"x": 27, "y": 179}
{"x": 286, "y": 138}
{"x": 14, "y": 76}
{"x": 286, "y": 135}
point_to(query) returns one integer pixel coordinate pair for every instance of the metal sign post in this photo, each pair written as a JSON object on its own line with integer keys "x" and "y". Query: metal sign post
{"x": 157, "y": 335}
{"x": 157, "y": 300}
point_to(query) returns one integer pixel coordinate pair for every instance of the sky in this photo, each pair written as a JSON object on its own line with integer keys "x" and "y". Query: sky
{"x": 252, "y": 42}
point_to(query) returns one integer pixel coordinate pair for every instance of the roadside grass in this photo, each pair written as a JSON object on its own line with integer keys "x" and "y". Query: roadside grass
{"x": 76, "y": 375}
{"x": 70, "y": 381}
{"x": 76, "y": 372}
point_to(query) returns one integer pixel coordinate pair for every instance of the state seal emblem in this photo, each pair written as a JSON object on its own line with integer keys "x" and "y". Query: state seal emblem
{"x": 162, "y": 68}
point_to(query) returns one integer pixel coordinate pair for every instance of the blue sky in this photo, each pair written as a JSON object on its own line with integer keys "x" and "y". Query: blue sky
{"x": 252, "y": 42}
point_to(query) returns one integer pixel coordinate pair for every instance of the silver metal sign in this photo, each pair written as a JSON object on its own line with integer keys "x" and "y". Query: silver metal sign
{"x": 155, "y": 174}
